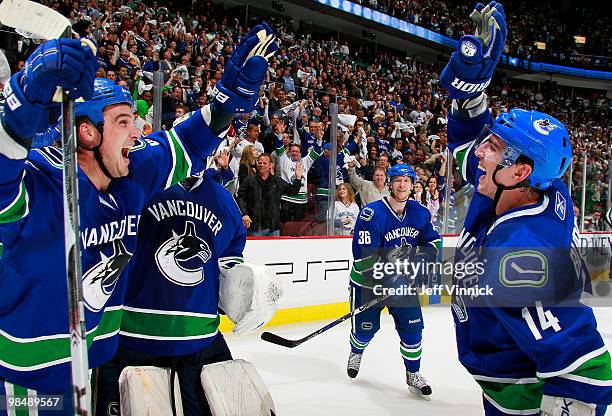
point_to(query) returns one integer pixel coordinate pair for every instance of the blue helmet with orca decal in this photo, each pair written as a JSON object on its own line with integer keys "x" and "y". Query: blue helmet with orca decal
{"x": 538, "y": 136}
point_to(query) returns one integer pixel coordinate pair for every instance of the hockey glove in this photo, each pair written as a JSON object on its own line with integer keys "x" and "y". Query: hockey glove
{"x": 244, "y": 72}
{"x": 471, "y": 65}
{"x": 47, "y": 137}
{"x": 30, "y": 105}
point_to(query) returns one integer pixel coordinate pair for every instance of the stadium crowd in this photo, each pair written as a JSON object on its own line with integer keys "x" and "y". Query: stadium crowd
{"x": 390, "y": 109}
{"x": 554, "y": 25}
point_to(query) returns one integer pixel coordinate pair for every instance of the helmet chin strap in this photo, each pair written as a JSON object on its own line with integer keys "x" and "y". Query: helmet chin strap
{"x": 98, "y": 155}
{"x": 400, "y": 200}
{"x": 498, "y": 193}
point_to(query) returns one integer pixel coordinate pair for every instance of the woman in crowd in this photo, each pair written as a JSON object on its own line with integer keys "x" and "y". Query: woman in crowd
{"x": 433, "y": 197}
{"x": 248, "y": 162}
{"x": 346, "y": 210}
{"x": 419, "y": 194}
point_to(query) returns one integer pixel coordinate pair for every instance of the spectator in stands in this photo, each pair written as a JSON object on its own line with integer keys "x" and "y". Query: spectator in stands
{"x": 369, "y": 191}
{"x": 384, "y": 89}
{"x": 433, "y": 198}
{"x": 418, "y": 193}
{"x": 277, "y": 127}
{"x": 289, "y": 83}
{"x": 180, "y": 111}
{"x": 259, "y": 198}
{"x": 596, "y": 223}
{"x": 293, "y": 207}
{"x": 346, "y": 210}
{"x": 248, "y": 163}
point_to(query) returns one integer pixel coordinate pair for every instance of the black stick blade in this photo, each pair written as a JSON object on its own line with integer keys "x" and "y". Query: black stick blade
{"x": 275, "y": 339}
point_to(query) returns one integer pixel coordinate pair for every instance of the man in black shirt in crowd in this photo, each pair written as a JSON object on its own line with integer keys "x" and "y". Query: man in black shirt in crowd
{"x": 259, "y": 198}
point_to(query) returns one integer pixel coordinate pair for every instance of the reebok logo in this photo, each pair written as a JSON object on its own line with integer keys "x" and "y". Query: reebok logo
{"x": 468, "y": 86}
{"x": 414, "y": 321}
{"x": 565, "y": 408}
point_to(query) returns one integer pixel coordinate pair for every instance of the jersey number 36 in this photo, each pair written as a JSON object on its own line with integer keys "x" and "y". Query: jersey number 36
{"x": 364, "y": 237}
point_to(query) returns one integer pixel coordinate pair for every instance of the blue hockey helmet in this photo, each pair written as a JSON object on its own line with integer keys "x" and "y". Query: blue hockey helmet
{"x": 538, "y": 136}
{"x": 401, "y": 169}
{"x": 106, "y": 93}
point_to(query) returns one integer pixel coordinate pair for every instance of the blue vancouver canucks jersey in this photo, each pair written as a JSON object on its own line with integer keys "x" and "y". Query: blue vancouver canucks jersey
{"x": 379, "y": 227}
{"x": 186, "y": 235}
{"x": 34, "y": 338}
{"x": 532, "y": 336}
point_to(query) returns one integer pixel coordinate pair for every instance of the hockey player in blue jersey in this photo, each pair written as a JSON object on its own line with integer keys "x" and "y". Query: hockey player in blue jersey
{"x": 190, "y": 244}
{"x": 118, "y": 172}
{"x": 382, "y": 227}
{"x": 532, "y": 347}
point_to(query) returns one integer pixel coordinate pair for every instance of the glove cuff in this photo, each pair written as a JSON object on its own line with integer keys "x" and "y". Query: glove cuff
{"x": 23, "y": 119}
{"x": 229, "y": 102}
{"x": 470, "y": 107}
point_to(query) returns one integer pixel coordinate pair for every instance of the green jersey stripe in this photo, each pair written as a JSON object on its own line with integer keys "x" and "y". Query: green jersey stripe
{"x": 366, "y": 263}
{"x": 169, "y": 325}
{"x": 572, "y": 368}
{"x": 359, "y": 279}
{"x": 29, "y": 354}
{"x": 19, "y": 207}
{"x": 300, "y": 198}
{"x": 181, "y": 167}
{"x": 138, "y": 145}
{"x": 313, "y": 154}
{"x": 597, "y": 368}
{"x": 460, "y": 154}
{"x": 514, "y": 397}
{"x": 508, "y": 411}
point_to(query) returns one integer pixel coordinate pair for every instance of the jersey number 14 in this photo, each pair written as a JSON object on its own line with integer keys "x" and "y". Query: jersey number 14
{"x": 547, "y": 320}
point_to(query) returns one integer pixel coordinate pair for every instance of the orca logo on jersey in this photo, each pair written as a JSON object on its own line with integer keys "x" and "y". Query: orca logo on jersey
{"x": 181, "y": 258}
{"x": 100, "y": 280}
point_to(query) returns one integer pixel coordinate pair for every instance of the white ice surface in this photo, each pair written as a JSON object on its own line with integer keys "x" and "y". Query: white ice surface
{"x": 311, "y": 378}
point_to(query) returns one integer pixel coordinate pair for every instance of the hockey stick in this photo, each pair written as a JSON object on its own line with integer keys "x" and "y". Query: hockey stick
{"x": 46, "y": 23}
{"x": 284, "y": 342}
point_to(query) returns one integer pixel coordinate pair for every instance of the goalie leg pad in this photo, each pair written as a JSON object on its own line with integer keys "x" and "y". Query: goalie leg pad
{"x": 144, "y": 391}
{"x": 564, "y": 406}
{"x": 235, "y": 388}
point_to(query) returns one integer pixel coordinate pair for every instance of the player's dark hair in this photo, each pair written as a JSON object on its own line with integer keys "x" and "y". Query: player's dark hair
{"x": 531, "y": 191}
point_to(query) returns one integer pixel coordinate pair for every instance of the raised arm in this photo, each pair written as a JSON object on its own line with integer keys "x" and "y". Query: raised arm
{"x": 29, "y": 107}
{"x": 466, "y": 76}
